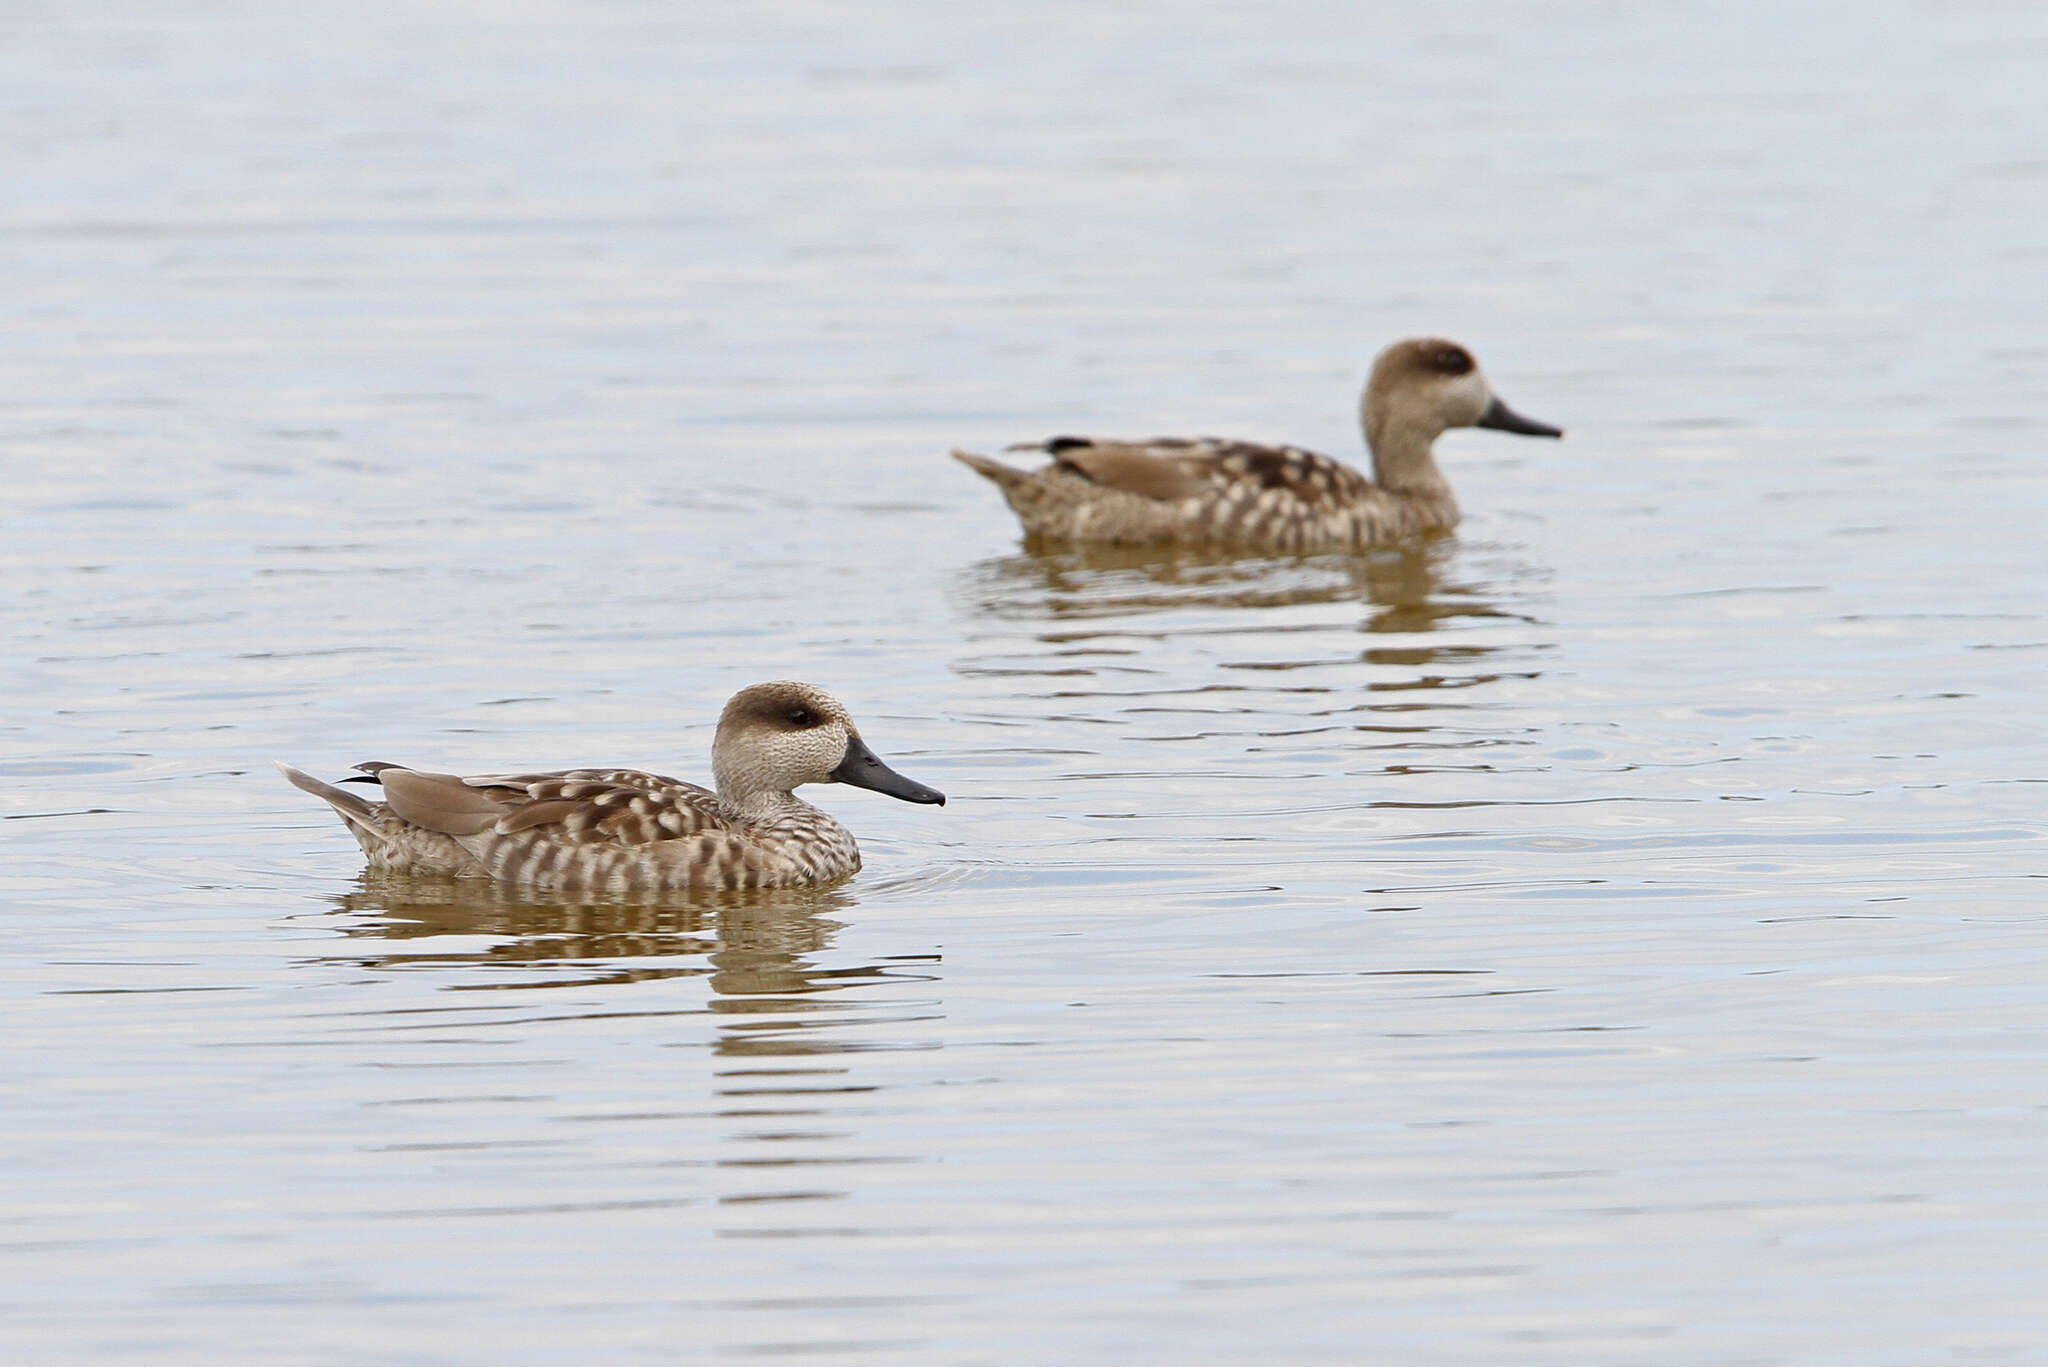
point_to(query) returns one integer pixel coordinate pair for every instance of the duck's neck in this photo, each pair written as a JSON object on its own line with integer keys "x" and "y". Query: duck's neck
{"x": 757, "y": 807}
{"x": 1404, "y": 456}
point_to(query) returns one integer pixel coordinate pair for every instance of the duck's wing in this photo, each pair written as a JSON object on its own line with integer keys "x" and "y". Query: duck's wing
{"x": 574, "y": 806}
{"x": 1168, "y": 469}
{"x": 1171, "y": 469}
{"x": 1315, "y": 479}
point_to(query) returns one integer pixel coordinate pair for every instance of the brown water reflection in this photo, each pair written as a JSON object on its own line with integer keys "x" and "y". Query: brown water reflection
{"x": 759, "y": 953}
{"x": 745, "y": 944}
{"x": 1407, "y": 588}
{"x": 1416, "y": 592}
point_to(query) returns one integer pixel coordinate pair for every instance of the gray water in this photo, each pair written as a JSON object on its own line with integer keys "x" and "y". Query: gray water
{"x": 1612, "y": 935}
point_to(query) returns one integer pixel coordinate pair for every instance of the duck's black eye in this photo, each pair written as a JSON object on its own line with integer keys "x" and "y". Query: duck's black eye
{"x": 801, "y": 716}
{"x": 1453, "y": 360}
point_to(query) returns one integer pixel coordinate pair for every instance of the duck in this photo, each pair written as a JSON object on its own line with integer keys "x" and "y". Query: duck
{"x": 1237, "y": 495}
{"x": 626, "y": 831}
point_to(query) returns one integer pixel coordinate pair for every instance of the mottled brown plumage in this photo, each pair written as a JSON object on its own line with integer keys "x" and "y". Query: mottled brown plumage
{"x": 623, "y": 830}
{"x": 1211, "y": 492}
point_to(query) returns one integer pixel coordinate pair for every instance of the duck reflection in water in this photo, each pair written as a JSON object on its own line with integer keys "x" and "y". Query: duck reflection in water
{"x": 1405, "y": 590}
{"x": 1095, "y": 606}
{"x": 758, "y": 946}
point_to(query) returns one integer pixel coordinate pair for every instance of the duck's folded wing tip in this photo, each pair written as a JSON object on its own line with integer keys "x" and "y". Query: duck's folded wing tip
{"x": 440, "y": 802}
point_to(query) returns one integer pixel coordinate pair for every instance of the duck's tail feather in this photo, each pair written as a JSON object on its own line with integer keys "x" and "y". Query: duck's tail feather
{"x": 1009, "y": 479}
{"x": 347, "y": 805}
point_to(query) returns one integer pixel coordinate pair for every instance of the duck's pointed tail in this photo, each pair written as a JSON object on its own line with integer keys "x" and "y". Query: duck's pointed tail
{"x": 352, "y": 809}
{"x": 1013, "y": 482}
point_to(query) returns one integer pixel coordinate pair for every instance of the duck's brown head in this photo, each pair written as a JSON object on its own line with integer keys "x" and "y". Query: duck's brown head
{"x": 774, "y": 737}
{"x": 1423, "y": 385}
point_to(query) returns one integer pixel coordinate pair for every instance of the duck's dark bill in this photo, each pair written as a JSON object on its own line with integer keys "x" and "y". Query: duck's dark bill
{"x": 1499, "y": 415}
{"x": 862, "y": 769}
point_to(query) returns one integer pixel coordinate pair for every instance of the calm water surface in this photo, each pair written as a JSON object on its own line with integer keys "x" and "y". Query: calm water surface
{"x": 1613, "y": 935}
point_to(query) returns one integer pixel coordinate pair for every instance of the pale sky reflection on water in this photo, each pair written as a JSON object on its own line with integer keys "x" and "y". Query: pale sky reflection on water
{"x": 1609, "y": 936}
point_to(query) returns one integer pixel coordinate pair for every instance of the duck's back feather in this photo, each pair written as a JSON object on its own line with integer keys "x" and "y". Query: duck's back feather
{"x": 1205, "y": 490}
{"x": 1167, "y": 471}
{"x": 619, "y": 806}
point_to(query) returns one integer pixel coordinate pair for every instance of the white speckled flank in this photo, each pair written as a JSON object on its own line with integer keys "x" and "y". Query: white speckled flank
{"x": 1206, "y": 491}
{"x": 622, "y": 830}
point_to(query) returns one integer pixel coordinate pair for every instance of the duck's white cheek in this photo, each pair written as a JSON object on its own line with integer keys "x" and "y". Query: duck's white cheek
{"x": 826, "y": 747}
{"x": 1472, "y": 395}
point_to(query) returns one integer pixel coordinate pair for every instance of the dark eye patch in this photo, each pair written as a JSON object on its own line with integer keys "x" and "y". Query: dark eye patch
{"x": 1452, "y": 360}
{"x": 801, "y": 716}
